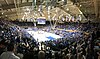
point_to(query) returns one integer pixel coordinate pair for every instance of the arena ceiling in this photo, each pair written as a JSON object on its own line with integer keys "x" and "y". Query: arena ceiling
{"x": 19, "y": 9}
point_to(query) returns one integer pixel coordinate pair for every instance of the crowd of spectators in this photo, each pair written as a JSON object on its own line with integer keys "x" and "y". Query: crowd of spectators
{"x": 81, "y": 44}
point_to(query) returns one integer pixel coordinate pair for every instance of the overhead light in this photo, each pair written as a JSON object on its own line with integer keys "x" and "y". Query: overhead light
{"x": 2, "y": 13}
{"x": 81, "y": 13}
{"x": 48, "y": 16}
{"x": 23, "y": 17}
{"x": 67, "y": 9}
{"x": 25, "y": 13}
{"x": 40, "y": 8}
{"x": 42, "y": 14}
{"x": 56, "y": 10}
{"x": 27, "y": 9}
{"x": 62, "y": 0}
{"x": 49, "y": 7}
{"x": 80, "y": 5}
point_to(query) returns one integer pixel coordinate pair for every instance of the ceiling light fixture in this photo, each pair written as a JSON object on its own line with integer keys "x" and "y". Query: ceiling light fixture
{"x": 67, "y": 9}
{"x": 2, "y": 13}
{"x": 80, "y": 5}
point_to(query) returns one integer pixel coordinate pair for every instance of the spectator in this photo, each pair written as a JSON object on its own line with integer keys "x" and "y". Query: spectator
{"x": 9, "y": 54}
{"x": 41, "y": 55}
{"x": 3, "y": 44}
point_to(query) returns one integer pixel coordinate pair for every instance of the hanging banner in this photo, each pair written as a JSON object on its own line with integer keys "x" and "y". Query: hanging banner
{"x": 34, "y": 5}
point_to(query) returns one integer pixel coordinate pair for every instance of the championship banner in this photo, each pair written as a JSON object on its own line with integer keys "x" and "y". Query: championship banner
{"x": 34, "y": 4}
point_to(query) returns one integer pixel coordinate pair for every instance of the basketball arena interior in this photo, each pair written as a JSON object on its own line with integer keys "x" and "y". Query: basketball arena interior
{"x": 49, "y": 29}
